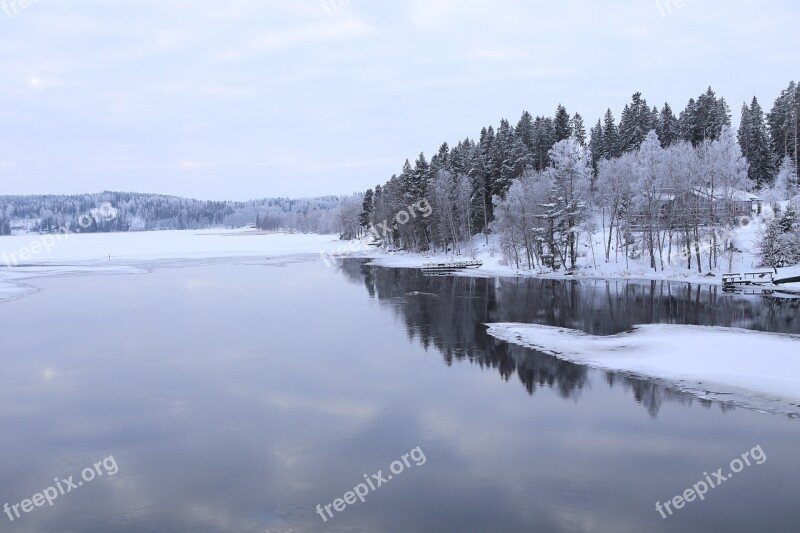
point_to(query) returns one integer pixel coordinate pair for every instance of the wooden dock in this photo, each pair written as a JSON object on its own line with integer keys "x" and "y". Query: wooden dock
{"x": 445, "y": 268}
{"x": 765, "y": 277}
{"x": 793, "y": 279}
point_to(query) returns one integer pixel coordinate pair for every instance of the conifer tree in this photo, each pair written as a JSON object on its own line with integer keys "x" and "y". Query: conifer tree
{"x": 667, "y": 127}
{"x": 611, "y": 140}
{"x": 578, "y": 129}
{"x": 562, "y": 124}
{"x": 754, "y": 142}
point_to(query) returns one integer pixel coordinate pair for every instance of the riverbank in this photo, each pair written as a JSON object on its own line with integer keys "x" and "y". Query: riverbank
{"x": 590, "y": 266}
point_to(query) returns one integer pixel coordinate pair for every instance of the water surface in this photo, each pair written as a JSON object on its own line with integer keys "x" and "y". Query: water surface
{"x": 238, "y": 397}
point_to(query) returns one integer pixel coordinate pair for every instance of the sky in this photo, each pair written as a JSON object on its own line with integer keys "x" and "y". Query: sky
{"x": 240, "y": 99}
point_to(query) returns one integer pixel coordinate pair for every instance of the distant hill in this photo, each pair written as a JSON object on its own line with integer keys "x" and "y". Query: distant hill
{"x": 125, "y": 211}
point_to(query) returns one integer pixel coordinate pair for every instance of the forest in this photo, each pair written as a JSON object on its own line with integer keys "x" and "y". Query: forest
{"x": 146, "y": 212}
{"x": 657, "y": 185}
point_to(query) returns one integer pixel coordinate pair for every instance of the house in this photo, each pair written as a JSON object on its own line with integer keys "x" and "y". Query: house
{"x": 697, "y": 205}
{"x": 736, "y": 202}
{"x": 744, "y": 201}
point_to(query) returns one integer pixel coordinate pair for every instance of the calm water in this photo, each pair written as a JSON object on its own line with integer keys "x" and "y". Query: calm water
{"x": 235, "y": 398}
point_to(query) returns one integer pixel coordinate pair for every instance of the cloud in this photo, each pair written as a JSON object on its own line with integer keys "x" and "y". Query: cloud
{"x": 286, "y": 98}
{"x": 193, "y": 165}
{"x": 310, "y": 34}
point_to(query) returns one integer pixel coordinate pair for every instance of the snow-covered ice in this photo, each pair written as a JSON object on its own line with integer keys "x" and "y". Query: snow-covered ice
{"x": 133, "y": 252}
{"x": 752, "y": 368}
{"x": 168, "y": 245}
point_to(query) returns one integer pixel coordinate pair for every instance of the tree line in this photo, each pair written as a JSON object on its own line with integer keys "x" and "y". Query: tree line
{"x": 145, "y": 212}
{"x": 540, "y": 183}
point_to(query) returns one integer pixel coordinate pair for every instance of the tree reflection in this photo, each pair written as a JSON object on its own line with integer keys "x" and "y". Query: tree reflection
{"x": 450, "y": 313}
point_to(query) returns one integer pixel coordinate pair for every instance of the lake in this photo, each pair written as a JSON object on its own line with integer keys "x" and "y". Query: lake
{"x": 240, "y": 397}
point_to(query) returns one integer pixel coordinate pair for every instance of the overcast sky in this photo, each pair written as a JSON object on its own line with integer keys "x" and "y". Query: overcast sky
{"x": 237, "y": 99}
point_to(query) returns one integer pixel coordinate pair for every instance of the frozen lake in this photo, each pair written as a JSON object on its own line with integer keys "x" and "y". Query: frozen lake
{"x": 238, "y": 397}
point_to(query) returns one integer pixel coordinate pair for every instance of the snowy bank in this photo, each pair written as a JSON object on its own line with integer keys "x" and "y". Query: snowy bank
{"x": 589, "y": 265}
{"x": 752, "y": 368}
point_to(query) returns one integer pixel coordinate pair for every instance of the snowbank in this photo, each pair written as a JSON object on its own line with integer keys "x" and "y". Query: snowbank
{"x": 756, "y": 369}
{"x": 591, "y": 260}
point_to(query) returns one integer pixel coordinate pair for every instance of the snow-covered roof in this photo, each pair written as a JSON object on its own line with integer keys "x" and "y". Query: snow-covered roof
{"x": 744, "y": 196}
{"x": 737, "y": 195}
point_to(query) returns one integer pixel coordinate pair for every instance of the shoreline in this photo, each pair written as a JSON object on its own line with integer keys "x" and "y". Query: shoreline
{"x": 415, "y": 261}
{"x": 131, "y": 252}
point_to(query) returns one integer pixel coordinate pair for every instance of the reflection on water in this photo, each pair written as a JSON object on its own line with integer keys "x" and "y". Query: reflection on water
{"x": 449, "y": 312}
{"x": 235, "y": 398}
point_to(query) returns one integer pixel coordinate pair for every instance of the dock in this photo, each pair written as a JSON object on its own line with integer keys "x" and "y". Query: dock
{"x": 764, "y": 277}
{"x": 765, "y": 283}
{"x": 781, "y": 281}
{"x": 445, "y": 268}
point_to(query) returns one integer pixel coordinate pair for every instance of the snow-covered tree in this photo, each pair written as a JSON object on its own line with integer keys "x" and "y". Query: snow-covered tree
{"x": 570, "y": 174}
{"x": 780, "y": 242}
{"x": 785, "y": 186}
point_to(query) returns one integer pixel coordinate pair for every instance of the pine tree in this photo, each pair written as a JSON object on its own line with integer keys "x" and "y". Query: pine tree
{"x": 578, "y": 129}
{"x": 421, "y": 179}
{"x": 784, "y": 125}
{"x": 545, "y": 139}
{"x": 687, "y": 123}
{"x": 504, "y": 144}
{"x": 704, "y": 118}
{"x": 667, "y": 127}
{"x": 754, "y": 141}
{"x": 562, "y": 124}
{"x": 526, "y": 132}
{"x": 636, "y": 122}
{"x": 743, "y": 135}
{"x": 365, "y": 219}
{"x": 596, "y": 146}
{"x": 490, "y": 165}
{"x": 441, "y": 160}
{"x": 611, "y": 140}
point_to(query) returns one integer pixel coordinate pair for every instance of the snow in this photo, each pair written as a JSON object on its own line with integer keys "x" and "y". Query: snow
{"x": 594, "y": 266}
{"x": 134, "y": 252}
{"x": 753, "y": 368}
{"x": 133, "y": 248}
{"x": 166, "y": 245}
